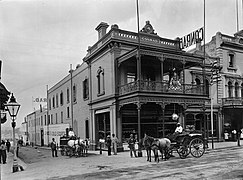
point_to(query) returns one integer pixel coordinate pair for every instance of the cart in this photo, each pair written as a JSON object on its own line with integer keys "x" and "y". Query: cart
{"x": 64, "y": 149}
{"x": 185, "y": 144}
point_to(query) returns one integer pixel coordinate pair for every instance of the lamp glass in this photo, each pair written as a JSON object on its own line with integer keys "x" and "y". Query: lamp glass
{"x": 12, "y": 107}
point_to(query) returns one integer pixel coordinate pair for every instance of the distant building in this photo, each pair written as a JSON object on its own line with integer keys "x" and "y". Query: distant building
{"x": 228, "y": 103}
{"x": 40, "y": 132}
{"x": 24, "y": 131}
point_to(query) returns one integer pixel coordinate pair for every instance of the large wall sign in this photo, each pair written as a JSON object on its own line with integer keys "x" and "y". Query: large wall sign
{"x": 192, "y": 38}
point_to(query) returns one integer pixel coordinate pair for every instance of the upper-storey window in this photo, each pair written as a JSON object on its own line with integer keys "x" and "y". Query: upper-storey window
{"x": 68, "y": 100}
{"x": 236, "y": 90}
{"x": 56, "y": 100}
{"x": 231, "y": 59}
{"x": 53, "y": 102}
{"x": 86, "y": 89}
{"x": 230, "y": 89}
{"x": 101, "y": 81}
{"x": 74, "y": 93}
{"x": 61, "y": 98}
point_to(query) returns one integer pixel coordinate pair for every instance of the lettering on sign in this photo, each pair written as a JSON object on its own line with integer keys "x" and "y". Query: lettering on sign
{"x": 192, "y": 38}
{"x": 40, "y": 100}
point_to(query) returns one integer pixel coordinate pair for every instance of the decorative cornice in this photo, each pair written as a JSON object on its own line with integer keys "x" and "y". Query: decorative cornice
{"x": 162, "y": 101}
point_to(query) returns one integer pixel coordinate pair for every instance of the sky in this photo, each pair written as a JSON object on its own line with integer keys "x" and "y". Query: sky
{"x": 39, "y": 39}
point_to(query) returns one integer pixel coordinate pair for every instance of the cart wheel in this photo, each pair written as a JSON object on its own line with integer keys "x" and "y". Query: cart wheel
{"x": 183, "y": 152}
{"x": 197, "y": 147}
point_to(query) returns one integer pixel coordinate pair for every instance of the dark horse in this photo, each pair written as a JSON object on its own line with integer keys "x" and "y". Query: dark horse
{"x": 155, "y": 145}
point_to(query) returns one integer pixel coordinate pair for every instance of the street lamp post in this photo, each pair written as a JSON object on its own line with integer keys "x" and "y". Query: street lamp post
{"x": 13, "y": 109}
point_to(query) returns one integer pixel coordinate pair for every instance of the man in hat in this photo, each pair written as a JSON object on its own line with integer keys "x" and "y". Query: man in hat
{"x": 54, "y": 148}
{"x": 131, "y": 145}
{"x": 178, "y": 131}
{"x": 108, "y": 144}
{"x": 179, "y": 128}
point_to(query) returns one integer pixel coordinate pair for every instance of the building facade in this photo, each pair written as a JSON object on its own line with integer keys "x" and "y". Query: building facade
{"x": 133, "y": 82}
{"x": 229, "y": 90}
{"x": 129, "y": 86}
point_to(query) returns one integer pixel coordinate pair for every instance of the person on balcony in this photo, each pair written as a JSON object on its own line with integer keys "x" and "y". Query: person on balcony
{"x": 174, "y": 83}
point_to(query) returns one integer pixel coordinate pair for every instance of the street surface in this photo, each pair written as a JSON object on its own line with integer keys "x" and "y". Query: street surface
{"x": 214, "y": 165}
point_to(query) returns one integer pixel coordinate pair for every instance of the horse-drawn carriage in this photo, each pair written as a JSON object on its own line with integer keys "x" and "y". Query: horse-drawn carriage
{"x": 183, "y": 144}
{"x": 74, "y": 146}
{"x": 188, "y": 143}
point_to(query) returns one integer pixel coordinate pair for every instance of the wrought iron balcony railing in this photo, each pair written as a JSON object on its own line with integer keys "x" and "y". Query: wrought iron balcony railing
{"x": 232, "y": 101}
{"x": 160, "y": 87}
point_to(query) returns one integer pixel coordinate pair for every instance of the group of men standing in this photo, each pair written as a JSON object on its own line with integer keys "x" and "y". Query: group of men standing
{"x": 111, "y": 143}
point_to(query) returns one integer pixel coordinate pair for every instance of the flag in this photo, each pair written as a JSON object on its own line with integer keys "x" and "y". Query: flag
{"x": 215, "y": 76}
{"x": 214, "y": 64}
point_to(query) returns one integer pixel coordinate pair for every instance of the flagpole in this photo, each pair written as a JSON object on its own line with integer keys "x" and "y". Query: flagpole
{"x": 204, "y": 79}
{"x": 48, "y": 121}
{"x": 138, "y": 72}
{"x": 237, "y": 16}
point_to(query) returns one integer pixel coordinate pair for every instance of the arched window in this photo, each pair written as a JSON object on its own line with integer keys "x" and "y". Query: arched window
{"x": 101, "y": 81}
{"x": 230, "y": 88}
{"x": 198, "y": 82}
{"x": 236, "y": 90}
{"x": 85, "y": 89}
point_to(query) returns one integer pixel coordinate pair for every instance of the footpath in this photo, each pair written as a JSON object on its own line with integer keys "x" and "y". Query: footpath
{"x": 63, "y": 166}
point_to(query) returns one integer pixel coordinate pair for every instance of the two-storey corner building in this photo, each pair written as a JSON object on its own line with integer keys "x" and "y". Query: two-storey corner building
{"x": 68, "y": 102}
{"x": 229, "y": 50}
{"x": 131, "y": 83}
{"x": 141, "y": 82}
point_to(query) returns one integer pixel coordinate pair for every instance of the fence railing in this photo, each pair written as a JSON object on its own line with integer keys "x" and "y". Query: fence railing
{"x": 160, "y": 87}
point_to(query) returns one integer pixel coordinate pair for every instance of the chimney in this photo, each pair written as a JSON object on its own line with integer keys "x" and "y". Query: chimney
{"x": 198, "y": 45}
{"x": 101, "y": 28}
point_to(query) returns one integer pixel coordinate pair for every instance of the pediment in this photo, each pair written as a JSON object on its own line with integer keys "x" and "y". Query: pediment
{"x": 148, "y": 28}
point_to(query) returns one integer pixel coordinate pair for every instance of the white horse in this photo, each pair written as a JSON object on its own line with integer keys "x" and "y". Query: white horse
{"x": 79, "y": 147}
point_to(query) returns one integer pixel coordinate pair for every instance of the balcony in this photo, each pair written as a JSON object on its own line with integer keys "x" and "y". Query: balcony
{"x": 232, "y": 101}
{"x": 160, "y": 87}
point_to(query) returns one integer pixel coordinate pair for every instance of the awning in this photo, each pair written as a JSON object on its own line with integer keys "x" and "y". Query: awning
{"x": 102, "y": 111}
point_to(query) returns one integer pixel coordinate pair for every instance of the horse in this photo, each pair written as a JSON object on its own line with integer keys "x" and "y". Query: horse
{"x": 78, "y": 147}
{"x": 155, "y": 145}
{"x": 84, "y": 144}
